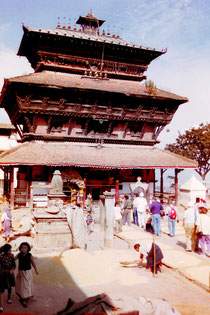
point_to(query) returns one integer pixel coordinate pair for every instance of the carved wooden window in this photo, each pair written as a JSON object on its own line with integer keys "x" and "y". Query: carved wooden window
{"x": 56, "y": 124}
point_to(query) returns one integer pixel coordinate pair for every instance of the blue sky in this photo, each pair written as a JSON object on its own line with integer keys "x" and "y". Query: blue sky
{"x": 181, "y": 26}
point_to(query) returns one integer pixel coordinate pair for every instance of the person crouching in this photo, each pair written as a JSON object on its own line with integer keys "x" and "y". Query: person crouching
{"x": 147, "y": 251}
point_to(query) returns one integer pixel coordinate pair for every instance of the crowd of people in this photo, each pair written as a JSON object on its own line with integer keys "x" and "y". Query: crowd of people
{"x": 147, "y": 216}
{"x": 196, "y": 221}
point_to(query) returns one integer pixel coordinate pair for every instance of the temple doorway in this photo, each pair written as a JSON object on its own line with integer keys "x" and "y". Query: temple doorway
{"x": 96, "y": 193}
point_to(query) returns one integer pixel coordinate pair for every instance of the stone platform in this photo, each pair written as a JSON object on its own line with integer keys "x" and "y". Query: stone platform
{"x": 52, "y": 231}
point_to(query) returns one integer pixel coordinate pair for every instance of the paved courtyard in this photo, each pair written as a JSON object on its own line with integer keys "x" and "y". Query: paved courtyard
{"x": 78, "y": 274}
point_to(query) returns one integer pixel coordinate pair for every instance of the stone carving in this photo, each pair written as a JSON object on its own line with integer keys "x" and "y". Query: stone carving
{"x": 77, "y": 225}
{"x": 54, "y": 206}
{"x": 56, "y": 184}
{"x": 133, "y": 186}
{"x": 72, "y": 176}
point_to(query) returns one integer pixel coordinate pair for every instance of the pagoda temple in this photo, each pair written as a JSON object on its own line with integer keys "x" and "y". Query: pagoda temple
{"x": 85, "y": 111}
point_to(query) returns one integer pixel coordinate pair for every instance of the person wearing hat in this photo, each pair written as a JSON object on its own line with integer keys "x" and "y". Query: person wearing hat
{"x": 189, "y": 223}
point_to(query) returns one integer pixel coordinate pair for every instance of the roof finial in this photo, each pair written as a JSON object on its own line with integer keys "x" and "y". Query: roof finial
{"x": 75, "y": 27}
{"x": 59, "y": 25}
{"x": 69, "y": 24}
{"x": 90, "y": 14}
{"x": 113, "y": 35}
{"x": 64, "y": 23}
{"x": 108, "y": 32}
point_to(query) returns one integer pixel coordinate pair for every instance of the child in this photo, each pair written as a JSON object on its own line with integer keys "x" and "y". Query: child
{"x": 24, "y": 277}
{"x": 89, "y": 221}
{"x": 7, "y": 267}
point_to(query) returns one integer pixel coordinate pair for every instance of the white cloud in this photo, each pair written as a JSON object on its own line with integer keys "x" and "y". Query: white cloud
{"x": 3, "y": 29}
{"x": 11, "y": 65}
{"x": 186, "y": 79}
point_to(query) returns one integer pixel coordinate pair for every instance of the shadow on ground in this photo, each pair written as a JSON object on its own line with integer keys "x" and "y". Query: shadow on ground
{"x": 53, "y": 287}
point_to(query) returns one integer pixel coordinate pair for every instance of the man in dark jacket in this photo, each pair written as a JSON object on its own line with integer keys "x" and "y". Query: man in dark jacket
{"x": 155, "y": 208}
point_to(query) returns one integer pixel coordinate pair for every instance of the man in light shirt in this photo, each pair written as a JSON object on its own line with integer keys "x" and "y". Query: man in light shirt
{"x": 141, "y": 204}
{"x": 189, "y": 223}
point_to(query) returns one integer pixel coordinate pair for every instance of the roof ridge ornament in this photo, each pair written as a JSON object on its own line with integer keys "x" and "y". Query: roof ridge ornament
{"x": 64, "y": 23}
{"x": 90, "y": 14}
{"x": 59, "y": 25}
{"x": 69, "y": 24}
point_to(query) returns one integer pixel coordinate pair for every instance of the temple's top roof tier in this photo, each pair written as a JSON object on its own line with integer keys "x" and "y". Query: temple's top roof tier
{"x": 89, "y": 21}
{"x": 87, "y": 48}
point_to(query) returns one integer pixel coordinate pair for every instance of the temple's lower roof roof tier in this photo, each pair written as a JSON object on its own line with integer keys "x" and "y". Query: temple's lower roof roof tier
{"x": 92, "y": 155}
{"x": 65, "y": 80}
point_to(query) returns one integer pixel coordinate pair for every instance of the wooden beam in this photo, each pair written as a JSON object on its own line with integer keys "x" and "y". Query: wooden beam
{"x": 12, "y": 193}
{"x": 176, "y": 186}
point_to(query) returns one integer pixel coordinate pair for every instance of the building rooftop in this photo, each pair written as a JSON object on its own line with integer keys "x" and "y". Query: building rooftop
{"x": 98, "y": 38}
{"x": 66, "y": 80}
{"x": 99, "y": 156}
{"x": 7, "y": 126}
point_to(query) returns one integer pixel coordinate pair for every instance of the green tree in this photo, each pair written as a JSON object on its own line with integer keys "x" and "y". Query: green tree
{"x": 195, "y": 144}
{"x": 150, "y": 87}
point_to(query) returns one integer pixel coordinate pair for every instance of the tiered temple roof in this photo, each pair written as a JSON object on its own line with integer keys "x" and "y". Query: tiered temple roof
{"x": 91, "y": 155}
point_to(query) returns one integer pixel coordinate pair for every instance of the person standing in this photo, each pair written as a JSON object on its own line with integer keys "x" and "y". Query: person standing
{"x": 197, "y": 205}
{"x": 189, "y": 223}
{"x": 155, "y": 208}
{"x": 88, "y": 202}
{"x": 171, "y": 210}
{"x": 127, "y": 214}
{"x": 203, "y": 228}
{"x": 89, "y": 221}
{"x": 141, "y": 209}
{"x": 24, "y": 280}
{"x": 135, "y": 214}
{"x": 6, "y": 221}
{"x": 118, "y": 217}
{"x": 7, "y": 267}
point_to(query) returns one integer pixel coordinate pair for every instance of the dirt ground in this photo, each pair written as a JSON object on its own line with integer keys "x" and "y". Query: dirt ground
{"x": 78, "y": 274}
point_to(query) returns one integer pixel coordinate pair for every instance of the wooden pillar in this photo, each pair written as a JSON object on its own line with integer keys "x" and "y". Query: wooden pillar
{"x": 176, "y": 186}
{"x": 28, "y": 192}
{"x": 162, "y": 171}
{"x": 109, "y": 219}
{"x": 31, "y": 197}
{"x": 84, "y": 193}
{"x": 161, "y": 184}
{"x": 154, "y": 183}
{"x": 117, "y": 195}
{"x": 12, "y": 195}
{"x": 50, "y": 177}
{"x": 6, "y": 187}
{"x": 149, "y": 173}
